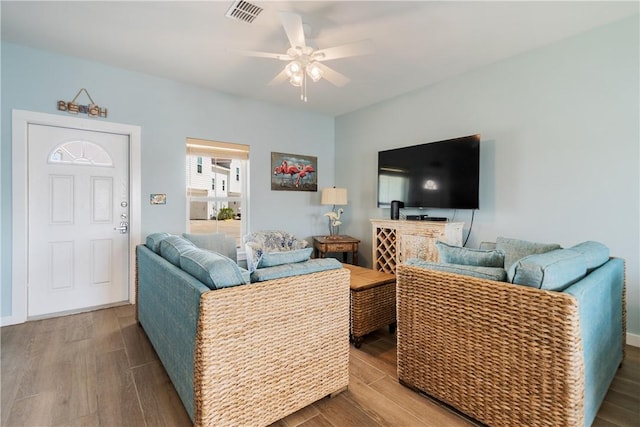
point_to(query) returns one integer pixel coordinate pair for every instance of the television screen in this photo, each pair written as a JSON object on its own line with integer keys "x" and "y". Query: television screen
{"x": 443, "y": 174}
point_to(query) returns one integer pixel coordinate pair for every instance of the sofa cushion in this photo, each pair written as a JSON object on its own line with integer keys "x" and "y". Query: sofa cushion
{"x": 269, "y": 241}
{"x": 553, "y": 271}
{"x": 295, "y": 269}
{"x": 213, "y": 269}
{"x": 489, "y": 273}
{"x": 171, "y": 248}
{"x": 153, "y": 241}
{"x": 514, "y": 249}
{"x": 253, "y": 252}
{"x": 216, "y": 242}
{"x": 271, "y": 259}
{"x": 487, "y": 246}
{"x": 595, "y": 254}
{"x": 460, "y": 255}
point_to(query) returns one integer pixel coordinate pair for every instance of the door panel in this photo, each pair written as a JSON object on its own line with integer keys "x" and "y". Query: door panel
{"x": 77, "y": 193}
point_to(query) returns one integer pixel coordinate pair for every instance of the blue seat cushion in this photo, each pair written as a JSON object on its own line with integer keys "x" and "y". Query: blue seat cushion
{"x": 553, "y": 271}
{"x": 497, "y": 274}
{"x": 514, "y": 249}
{"x": 171, "y": 247}
{"x": 215, "y": 270}
{"x": 295, "y": 269}
{"x": 465, "y": 256}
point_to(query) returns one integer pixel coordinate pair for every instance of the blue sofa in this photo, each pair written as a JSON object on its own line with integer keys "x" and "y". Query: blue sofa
{"x": 242, "y": 353}
{"x": 534, "y": 341}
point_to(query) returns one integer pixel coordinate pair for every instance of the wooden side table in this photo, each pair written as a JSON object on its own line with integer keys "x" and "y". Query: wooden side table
{"x": 373, "y": 302}
{"x": 345, "y": 244}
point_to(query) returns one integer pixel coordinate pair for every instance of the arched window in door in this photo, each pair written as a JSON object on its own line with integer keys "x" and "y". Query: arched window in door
{"x": 80, "y": 153}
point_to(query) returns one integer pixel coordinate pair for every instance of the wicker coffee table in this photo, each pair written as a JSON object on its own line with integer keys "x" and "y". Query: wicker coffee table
{"x": 373, "y": 302}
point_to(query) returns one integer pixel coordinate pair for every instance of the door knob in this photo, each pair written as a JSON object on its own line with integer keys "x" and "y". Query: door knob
{"x": 124, "y": 226}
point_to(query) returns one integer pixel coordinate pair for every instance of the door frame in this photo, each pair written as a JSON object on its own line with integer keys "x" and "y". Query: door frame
{"x": 21, "y": 120}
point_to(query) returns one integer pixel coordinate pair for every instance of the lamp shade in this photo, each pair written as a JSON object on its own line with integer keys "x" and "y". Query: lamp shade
{"x": 334, "y": 196}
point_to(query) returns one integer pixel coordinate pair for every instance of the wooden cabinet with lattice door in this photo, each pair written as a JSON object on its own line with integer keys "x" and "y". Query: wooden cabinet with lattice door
{"x": 397, "y": 240}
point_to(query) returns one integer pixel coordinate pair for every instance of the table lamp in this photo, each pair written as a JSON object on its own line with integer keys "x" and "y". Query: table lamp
{"x": 334, "y": 196}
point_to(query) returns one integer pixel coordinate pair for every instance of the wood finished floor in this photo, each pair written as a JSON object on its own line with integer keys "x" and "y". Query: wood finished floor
{"x": 99, "y": 369}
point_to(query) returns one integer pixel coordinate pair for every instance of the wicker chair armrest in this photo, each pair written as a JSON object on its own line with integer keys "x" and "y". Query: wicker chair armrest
{"x": 266, "y": 350}
{"x": 493, "y": 350}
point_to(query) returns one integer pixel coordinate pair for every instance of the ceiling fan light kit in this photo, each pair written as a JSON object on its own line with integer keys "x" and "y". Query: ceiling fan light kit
{"x": 305, "y": 61}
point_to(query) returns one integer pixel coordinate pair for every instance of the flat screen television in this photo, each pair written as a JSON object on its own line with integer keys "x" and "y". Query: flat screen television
{"x": 443, "y": 174}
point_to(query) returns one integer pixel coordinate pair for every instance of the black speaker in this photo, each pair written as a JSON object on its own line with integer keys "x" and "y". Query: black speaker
{"x": 395, "y": 208}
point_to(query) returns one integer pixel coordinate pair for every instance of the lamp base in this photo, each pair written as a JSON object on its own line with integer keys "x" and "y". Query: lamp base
{"x": 334, "y": 237}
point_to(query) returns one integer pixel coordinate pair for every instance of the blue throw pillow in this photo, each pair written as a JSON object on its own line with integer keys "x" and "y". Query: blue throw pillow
{"x": 216, "y": 271}
{"x": 464, "y": 256}
{"x": 153, "y": 241}
{"x": 595, "y": 254}
{"x": 552, "y": 271}
{"x": 296, "y": 269}
{"x": 216, "y": 242}
{"x": 271, "y": 259}
{"x": 171, "y": 248}
{"x": 515, "y": 249}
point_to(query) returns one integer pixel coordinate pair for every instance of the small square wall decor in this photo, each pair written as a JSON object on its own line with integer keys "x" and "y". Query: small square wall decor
{"x": 158, "y": 199}
{"x": 294, "y": 172}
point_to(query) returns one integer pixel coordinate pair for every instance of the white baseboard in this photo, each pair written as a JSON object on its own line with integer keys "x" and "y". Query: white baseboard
{"x": 633, "y": 339}
{"x": 10, "y": 320}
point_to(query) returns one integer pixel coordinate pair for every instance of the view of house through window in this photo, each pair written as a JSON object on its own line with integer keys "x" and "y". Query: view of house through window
{"x": 221, "y": 208}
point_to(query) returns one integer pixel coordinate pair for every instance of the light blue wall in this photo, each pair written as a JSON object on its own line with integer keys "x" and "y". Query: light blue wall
{"x": 169, "y": 112}
{"x": 560, "y": 144}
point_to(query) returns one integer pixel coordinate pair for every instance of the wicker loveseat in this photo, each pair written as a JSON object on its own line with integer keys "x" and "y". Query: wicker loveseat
{"x": 508, "y": 354}
{"x": 244, "y": 354}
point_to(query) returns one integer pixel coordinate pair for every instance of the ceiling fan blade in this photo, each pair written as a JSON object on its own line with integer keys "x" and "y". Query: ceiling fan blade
{"x": 363, "y": 47}
{"x": 255, "y": 53}
{"x": 281, "y": 77}
{"x": 333, "y": 76}
{"x": 292, "y": 24}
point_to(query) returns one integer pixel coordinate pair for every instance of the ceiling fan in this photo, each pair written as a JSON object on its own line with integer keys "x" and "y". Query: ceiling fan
{"x": 307, "y": 62}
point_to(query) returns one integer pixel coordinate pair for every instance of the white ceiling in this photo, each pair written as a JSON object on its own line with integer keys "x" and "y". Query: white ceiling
{"x": 417, "y": 43}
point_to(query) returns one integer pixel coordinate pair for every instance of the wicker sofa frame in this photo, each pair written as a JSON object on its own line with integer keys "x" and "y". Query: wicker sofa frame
{"x": 502, "y": 354}
{"x": 262, "y": 351}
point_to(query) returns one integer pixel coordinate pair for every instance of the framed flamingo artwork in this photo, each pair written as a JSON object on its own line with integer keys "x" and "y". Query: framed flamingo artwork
{"x": 294, "y": 172}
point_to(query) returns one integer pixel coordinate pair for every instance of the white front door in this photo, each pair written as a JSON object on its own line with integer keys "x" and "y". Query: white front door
{"x": 78, "y": 194}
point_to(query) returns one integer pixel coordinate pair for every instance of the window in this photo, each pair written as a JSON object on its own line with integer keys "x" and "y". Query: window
{"x": 81, "y": 153}
{"x": 210, "y": 205}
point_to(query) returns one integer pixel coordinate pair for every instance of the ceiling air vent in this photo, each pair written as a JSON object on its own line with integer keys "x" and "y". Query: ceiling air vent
{"x": 244, "y": 11}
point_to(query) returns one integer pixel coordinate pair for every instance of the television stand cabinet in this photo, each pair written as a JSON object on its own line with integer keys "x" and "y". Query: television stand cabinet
{"x": 397, "y": 240}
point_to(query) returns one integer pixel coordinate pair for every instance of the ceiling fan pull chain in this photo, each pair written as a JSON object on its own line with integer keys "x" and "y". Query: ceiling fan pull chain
{"x": 303, "y": 89}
